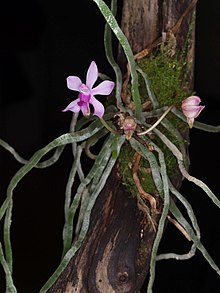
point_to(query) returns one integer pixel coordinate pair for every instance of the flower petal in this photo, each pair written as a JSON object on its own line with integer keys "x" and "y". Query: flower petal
{"x": 192, "y": 111}
{"x": 74, "y": 83}
{"x": 73, "y": 106}
{"x": 92, "y": 75}
{"x": 193, "y": 100}
{"x": 99, "y": 109}
{"x": 104, "y": 88}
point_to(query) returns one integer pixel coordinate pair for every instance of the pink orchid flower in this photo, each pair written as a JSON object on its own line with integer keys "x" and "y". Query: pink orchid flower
{"x": 191, "y": 109}
{"x": 87, "y": 92}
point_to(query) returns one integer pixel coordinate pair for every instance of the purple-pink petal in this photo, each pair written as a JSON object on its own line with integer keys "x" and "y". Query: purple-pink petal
{"x": 74, "y": 83}
{"x": 98, "y": 107}
{"x": 73, "y": 106}
{"x": 92, "y": 75}
{"x": 192, "y": 111}
{"x": 191, "y": 101}
{"x": 104, "y": 88}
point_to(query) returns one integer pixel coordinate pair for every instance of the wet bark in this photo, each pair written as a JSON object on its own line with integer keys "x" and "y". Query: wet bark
{"x": 115, "y": 255}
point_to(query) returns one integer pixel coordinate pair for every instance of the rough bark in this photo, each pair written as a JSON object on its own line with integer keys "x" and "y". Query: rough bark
{"x": 145, "y": 21}
{"x": 111, "y": 257}
{"x": 115, "y": 255}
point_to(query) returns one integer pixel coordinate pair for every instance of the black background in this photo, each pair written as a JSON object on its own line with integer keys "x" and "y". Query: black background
{"x": 43, "y": 42}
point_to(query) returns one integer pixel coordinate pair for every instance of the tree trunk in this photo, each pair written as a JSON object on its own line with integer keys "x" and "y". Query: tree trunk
{"x": 115, "y": 255}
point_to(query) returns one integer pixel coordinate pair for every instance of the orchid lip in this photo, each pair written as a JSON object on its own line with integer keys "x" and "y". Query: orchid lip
{"x": 84, "y": 98}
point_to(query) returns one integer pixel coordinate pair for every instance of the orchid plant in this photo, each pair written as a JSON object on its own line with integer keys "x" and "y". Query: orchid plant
{"x": 134, "y": 127}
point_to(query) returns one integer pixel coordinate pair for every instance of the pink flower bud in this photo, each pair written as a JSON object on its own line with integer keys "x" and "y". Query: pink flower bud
{"x": 129, "y": 126}
{"x": 191, "y": 109}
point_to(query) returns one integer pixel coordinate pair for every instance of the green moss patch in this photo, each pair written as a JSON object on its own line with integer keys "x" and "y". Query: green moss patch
{"x": 167, "y": 76}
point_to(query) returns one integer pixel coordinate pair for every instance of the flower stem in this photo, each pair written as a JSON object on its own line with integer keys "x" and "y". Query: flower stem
{"x": 157, "y": 122}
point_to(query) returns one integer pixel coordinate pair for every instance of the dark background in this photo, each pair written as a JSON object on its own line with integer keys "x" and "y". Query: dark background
{"x": 42, "y": 42}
